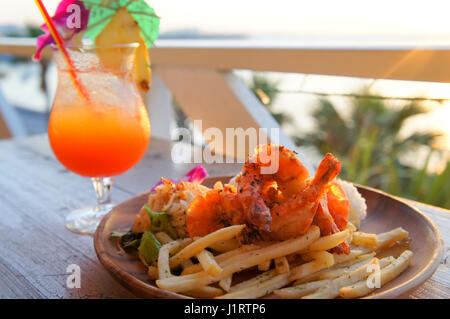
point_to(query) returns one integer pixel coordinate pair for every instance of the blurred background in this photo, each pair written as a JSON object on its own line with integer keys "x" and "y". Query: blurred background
{"x": 389, "y": 134}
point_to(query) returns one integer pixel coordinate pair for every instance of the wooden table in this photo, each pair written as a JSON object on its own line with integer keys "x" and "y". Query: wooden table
{"x": 36, "y": 193}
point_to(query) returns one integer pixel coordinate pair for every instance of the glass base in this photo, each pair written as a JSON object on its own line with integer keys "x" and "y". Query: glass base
{"x": 85, "y": 220}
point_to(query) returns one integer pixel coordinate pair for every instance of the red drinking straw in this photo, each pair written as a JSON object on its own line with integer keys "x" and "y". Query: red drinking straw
{"x": 60, "y": 43}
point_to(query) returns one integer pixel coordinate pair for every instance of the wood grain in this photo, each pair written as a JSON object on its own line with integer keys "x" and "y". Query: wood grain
{"x": 36, "y": 193}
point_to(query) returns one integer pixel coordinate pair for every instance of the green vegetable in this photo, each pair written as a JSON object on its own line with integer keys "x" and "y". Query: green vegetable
{"x": 161, "y": 222}
{"x": 131, "y": 239}
{"x": 149, "y": 248}
{"x": 127, "y": 238}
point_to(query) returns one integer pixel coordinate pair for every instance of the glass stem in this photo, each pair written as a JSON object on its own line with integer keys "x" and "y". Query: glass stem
{"x": 103, "y": 186}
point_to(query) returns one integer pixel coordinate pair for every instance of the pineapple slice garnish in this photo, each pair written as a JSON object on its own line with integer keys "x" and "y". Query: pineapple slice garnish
{"x": 122, "y": 29}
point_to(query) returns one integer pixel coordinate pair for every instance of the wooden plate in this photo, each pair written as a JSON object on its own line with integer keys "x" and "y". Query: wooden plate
{"x": 385, "y": 212}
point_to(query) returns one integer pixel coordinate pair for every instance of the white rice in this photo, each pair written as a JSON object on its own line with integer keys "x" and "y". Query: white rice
{"x": 358, "y": 206}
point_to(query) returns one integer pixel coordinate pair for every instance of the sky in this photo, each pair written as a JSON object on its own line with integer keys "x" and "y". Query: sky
{"x": 330, "y": 18}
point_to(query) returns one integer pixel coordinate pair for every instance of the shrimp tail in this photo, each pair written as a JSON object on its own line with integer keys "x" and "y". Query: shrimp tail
{"x": 249, "y": 194}
{"x": 327, "y": 171}
{"x": 327, "y": 226}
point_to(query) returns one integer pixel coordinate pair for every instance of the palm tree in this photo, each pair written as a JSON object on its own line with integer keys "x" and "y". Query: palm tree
{"x": 369, "y": 145}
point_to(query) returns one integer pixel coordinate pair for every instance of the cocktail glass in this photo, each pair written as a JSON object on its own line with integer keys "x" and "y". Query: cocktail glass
{"x": 104, "y": 133}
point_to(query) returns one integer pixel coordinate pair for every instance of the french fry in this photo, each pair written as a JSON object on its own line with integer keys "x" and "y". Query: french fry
{"x": 332, "y": 290}
{"x": 240, "y": 262}
{"x": 340, "y": 260}
{"x": 309, "y": 278}
{"x": 225, "y": 283}
{"x": 301, "y": 290}
{"x": 163, "y": 238}
{"x": 328, "y": 242}
{"x": 153, "y": 272}
{"x": 164, "y": 253}
{"x": 387, "y": 273}
{"x": 292, "y": 257}
{"x": 339, "y": 269}
{"x": 205, "y": 292}
{"x": 260, "y": 289}
{"x": 200, "y": 244}
{"x": 320, "y": 260}
{"x": 253, "y": 281}
{"x": 229, "y": 254}
{"x": 334, "y": 273}
{"x": 253, "y": 258}
{"x": 386, "y": 261}
{"x": 220, "y": 258}
{"x": 357, "y": 259}
{"x": 281, "y": 265}
{"x": 391, "y": 237}
{"x": 264, "y": 266}
{"x": 307, "y": 269}
{"x": 208, "y": 263}
{"x": 187, "y": 263}
{"x": 225, "y": 245}
{"x": 365, "y": 239}
{"x": 351, "y": 227}
{"x": 191, "y": 269}
{"x": 343, "y": 270}
{"x": 324, "y": 256}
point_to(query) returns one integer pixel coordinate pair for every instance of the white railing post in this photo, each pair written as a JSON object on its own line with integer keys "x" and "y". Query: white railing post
{"x": 159, "y": 106}
{"x": 12, "y": 120}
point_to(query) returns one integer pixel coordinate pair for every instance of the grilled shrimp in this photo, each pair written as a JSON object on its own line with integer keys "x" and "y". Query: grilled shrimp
{"x": 249, "y": 195}
{"x": 291, "y": 176}
{"x": 258, "y": 191}
{"x": 327, "y": 225}
{"x": 275, "y": 206}
{"x": 332, "y": 214}
{"x": 213, "y": 210}
{"x": 338, "y": 205}
{"x": 294, "y": 216}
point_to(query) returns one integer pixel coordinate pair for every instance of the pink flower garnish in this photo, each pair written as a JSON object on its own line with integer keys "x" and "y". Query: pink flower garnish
{"x": 71, "y": 17}
{"x": 196, "y": 175}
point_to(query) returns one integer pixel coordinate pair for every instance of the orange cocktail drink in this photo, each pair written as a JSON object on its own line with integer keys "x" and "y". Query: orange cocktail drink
{"x": 99, "y": 140}
{"x": 101, "y": 129}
